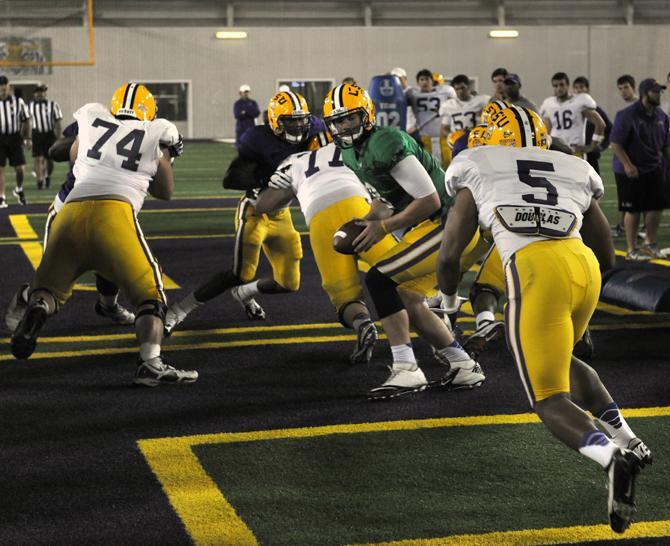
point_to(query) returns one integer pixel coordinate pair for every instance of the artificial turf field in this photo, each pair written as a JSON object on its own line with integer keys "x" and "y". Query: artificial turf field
{"x": 276, "y": 443}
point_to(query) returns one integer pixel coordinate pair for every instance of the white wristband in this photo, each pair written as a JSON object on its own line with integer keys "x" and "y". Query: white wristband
{"x": 450, "y": 301}
{"x": 598, "y": 138}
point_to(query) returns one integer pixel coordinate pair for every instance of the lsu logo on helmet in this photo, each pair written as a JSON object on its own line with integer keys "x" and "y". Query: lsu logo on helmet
{"x": 133, "y": 100}
{"x": 492, "y": 108}
{"x": 518, "y": 127}
{"x": 348, "y": 112}
{"x": 476, "y": 136}
{"x": 288, "y": 116}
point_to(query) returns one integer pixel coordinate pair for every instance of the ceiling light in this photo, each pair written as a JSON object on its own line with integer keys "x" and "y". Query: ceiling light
{"x": 231, "y": 35}
{"x": 503, "y": 33}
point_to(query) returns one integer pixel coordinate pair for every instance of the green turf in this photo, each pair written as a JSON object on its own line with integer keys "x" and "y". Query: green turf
{"x": 429, "y": 483}
{"x": 198, "y": 173}
{"x": 179, "y": 223}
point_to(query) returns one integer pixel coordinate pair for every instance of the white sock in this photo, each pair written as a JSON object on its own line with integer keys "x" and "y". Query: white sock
{"x": 109, "y": 301}
{"x": 403, "y": 353}
{"x": 484, "y": 316}
{"x": 598, "y": 447}
{"x": 455, "y": 353}
{"x": 26, "y": 293}
{"x": 615, "y": 425}
{"x": 249, "y": 290}
{"x": 149, "y": 351}
{"x": 189, "y": 303}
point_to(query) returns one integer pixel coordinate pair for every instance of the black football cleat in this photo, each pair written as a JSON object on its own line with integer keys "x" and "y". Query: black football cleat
{"x": 488, "y": 332}
{"x": 366, "y": 338}
{"x": 24, "y": 338}
{"x": 622, "y": 473}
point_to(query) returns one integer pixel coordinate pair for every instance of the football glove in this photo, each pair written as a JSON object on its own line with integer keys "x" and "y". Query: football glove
{"x": 177, "y": 148}
{"x": 281, "y": 178}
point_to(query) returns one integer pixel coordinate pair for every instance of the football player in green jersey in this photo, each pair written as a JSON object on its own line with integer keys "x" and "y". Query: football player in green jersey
{"x": 410, "y": 196}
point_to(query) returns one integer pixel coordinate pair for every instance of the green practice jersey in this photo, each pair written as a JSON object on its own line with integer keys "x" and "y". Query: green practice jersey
{"x": 382, "y": 151}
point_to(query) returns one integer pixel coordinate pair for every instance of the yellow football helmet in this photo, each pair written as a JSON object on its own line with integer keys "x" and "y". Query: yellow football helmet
{"x": 492, "y": 108}
{"x": 518, "y": 127}
{"x": 476, "y": 136}
{"x": 453, "y": 137}
{"x": 133, "y": 100}
{"x": 348, "y": 112}
{"x": 288, "y": 116}
{"x": 438, "y": 79}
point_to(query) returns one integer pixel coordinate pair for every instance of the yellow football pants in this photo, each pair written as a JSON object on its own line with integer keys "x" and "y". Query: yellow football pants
{"x": 102, "y": 236}
{"x": 552, "y": 290}
{"x": 275, "y": 234}
{"x": 339, "y": 272}
{"x": 438, "y": 148}
{"x": 413, "y": 261}
{"x": 491, "y": 271}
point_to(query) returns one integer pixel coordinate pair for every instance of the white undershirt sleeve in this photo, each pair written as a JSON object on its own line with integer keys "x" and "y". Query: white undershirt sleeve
{"x": 413, "y": 178}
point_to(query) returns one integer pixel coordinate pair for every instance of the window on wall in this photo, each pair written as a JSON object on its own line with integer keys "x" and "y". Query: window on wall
{"x": 171, "y": 98}
{"x": 24, "y": 89}
{"x": 314, "y": 91}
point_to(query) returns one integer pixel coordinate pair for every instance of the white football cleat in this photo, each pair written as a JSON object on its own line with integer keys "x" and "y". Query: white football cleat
{"x": 175, "y": 315}
{"x": 154, "y": 372}
{"x": 116, "y": 313}
{"x": 405, "y": 378}
{"x": 16, "y": 308}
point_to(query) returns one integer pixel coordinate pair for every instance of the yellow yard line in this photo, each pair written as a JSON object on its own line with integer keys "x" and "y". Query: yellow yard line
{"x": 658, "y": 261}
{"x": 187, "y": 334}
{"x": 188, "y": 347}
{"x": 22, "y": 226}
{"x": 579, "y": 534}
{"x": 210, "y": 519}
{"x": 33, "y": 250}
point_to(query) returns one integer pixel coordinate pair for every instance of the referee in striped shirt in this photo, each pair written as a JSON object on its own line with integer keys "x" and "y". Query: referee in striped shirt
{"x": 45, "y": 116}
{"x": 14, "y": 132}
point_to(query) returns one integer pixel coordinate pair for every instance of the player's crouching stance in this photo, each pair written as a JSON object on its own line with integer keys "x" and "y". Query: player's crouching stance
{"x": 534, "y": 201}
{"x": 411, "y": 181}
{"x": 118, "y": 160}
{"x": 330, "y": 195}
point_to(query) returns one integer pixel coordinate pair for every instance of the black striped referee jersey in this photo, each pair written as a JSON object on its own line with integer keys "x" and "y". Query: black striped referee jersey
{"x": 44, "y": 115}
{"x": 13, "y": 112}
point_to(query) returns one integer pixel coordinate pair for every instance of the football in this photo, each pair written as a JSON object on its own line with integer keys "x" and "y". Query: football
{"x": 343, "y": 240}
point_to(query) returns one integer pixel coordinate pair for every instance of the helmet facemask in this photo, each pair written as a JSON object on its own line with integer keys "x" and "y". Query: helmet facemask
{"x": 346, "y": 128}
{"x": 294, "y": 128}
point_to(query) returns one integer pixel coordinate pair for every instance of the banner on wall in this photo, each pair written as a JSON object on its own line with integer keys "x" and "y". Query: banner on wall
{"x": 22, "y": 49}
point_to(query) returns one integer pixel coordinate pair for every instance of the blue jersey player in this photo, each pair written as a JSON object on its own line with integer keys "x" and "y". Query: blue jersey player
{"x": 262, "y": 148}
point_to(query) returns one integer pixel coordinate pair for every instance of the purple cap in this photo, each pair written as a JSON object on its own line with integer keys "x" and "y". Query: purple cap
{"x": 649, "y": 84}
{"x": 513, "y": 78}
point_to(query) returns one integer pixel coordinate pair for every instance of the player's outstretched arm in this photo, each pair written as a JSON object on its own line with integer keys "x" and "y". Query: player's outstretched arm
{"x": 162, "y": 185}
{"x": 461, "y": 226}
{"x": 272, "y": 199}
{"x": 597, "y": 235}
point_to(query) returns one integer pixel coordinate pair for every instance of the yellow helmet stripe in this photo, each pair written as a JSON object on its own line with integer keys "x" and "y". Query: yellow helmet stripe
{"x": 129, "y": 97}
{"x": 531, "y": 124}
{"x": 125, "y": 94}
{"x": 338, "y": 97}
{"x": 525, "y": 122}
{"x": 295, "y": 100}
